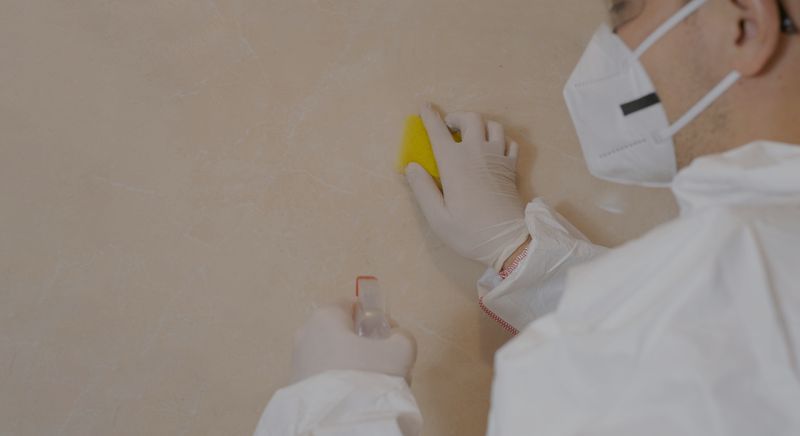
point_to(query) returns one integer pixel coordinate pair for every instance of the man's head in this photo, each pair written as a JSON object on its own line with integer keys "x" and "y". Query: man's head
{"x": 720, "y": 37}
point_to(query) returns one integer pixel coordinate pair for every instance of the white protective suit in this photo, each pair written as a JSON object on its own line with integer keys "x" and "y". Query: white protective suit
{"x": 693, "y": 329}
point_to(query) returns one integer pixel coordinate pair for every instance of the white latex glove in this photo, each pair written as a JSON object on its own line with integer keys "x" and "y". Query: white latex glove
{"x": 479, "y": 214}
{"x": 328, "y": 342}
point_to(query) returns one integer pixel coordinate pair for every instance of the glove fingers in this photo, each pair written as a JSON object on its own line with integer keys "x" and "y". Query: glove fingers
{"x": 437, "y": 130}
{"x": 399, "y": 350}
{"x": 496, "y": 132}
{"x": 513, "y": 150}
{"x": 403, "y": 341}
{"x": 497, "y": 138}
{"x": 338, "y": 317}
{"x": 426, "y": 192}
{"x": 469, "y": 124}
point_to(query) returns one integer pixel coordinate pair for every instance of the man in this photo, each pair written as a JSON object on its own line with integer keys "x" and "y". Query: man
{"x": 693, "y": 328}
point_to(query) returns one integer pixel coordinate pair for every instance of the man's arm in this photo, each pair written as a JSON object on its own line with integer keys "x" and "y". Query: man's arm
{"x": 534, "y": 288}
{"x": 345, "y": 384}
{"x": 339, "y": 403}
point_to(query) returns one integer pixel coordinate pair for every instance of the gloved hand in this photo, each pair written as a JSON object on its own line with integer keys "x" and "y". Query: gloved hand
{"x": 328, "y": 342}
{"x": 479, "y": 213}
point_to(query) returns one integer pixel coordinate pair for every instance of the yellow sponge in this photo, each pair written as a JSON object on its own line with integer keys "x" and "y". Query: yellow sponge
{"x": 417, "y": 148}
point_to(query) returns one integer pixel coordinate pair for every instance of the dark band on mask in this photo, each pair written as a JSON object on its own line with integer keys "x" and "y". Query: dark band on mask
{"x": 640, "y": 104}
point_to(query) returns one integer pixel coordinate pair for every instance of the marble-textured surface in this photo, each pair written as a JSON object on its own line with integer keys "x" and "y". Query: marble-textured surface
{"x": 183, "y": 181}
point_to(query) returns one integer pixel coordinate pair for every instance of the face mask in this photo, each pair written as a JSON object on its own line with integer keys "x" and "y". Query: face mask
{"x": 622, "y": 126}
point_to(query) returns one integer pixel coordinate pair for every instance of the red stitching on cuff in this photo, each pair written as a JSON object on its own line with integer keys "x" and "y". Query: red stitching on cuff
{"x": 503, "y": 323}
{"x": 505, "y": 272}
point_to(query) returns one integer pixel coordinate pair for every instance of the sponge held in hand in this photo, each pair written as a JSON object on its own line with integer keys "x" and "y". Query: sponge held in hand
{"x": 417, "y": 148}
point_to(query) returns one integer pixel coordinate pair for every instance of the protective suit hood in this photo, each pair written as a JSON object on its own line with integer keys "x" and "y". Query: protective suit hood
{"x": 762, "y": 172}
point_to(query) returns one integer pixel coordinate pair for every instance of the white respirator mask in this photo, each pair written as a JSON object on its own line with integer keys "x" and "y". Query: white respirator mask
{"x": 621, "y": 124}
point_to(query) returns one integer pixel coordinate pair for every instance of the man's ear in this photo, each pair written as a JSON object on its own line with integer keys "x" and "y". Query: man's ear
{"x": 757, "y": 35}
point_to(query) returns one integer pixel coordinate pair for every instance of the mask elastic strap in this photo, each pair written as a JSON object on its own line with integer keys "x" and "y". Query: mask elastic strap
{"x": 668, "y": 25}
{"x": 698, "y": 108}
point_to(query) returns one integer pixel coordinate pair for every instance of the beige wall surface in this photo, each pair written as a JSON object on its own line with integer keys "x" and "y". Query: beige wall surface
{"x": 183, "y": 181}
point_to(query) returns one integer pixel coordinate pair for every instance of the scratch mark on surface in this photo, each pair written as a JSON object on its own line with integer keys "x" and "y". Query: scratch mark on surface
{"x": 10, "y": 368}
{"x": 61, "y": 267}
{"x": 151, "y": 339}
{"x": 432, "y": 333}
{"x": 127, "y": 187}
{"x": 114, "y": 417}
{"x": 74, "y": 407}
{"x": 319, "y": 181}
{"x": 367, "y": 171}
{"x": 53, "y": 277}
{"x": 187, "y": 234}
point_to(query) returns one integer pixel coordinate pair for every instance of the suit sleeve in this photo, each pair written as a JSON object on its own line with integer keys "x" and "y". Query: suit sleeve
{"x": 535, "y": 288}
{"x": 338, "y": 403}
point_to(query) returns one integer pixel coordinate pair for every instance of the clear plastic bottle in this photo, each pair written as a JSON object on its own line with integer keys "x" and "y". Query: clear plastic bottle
{"x": 371, "y": 316}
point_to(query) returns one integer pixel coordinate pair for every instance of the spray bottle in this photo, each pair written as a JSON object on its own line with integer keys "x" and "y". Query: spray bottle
{"x": 370, "y": 313}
